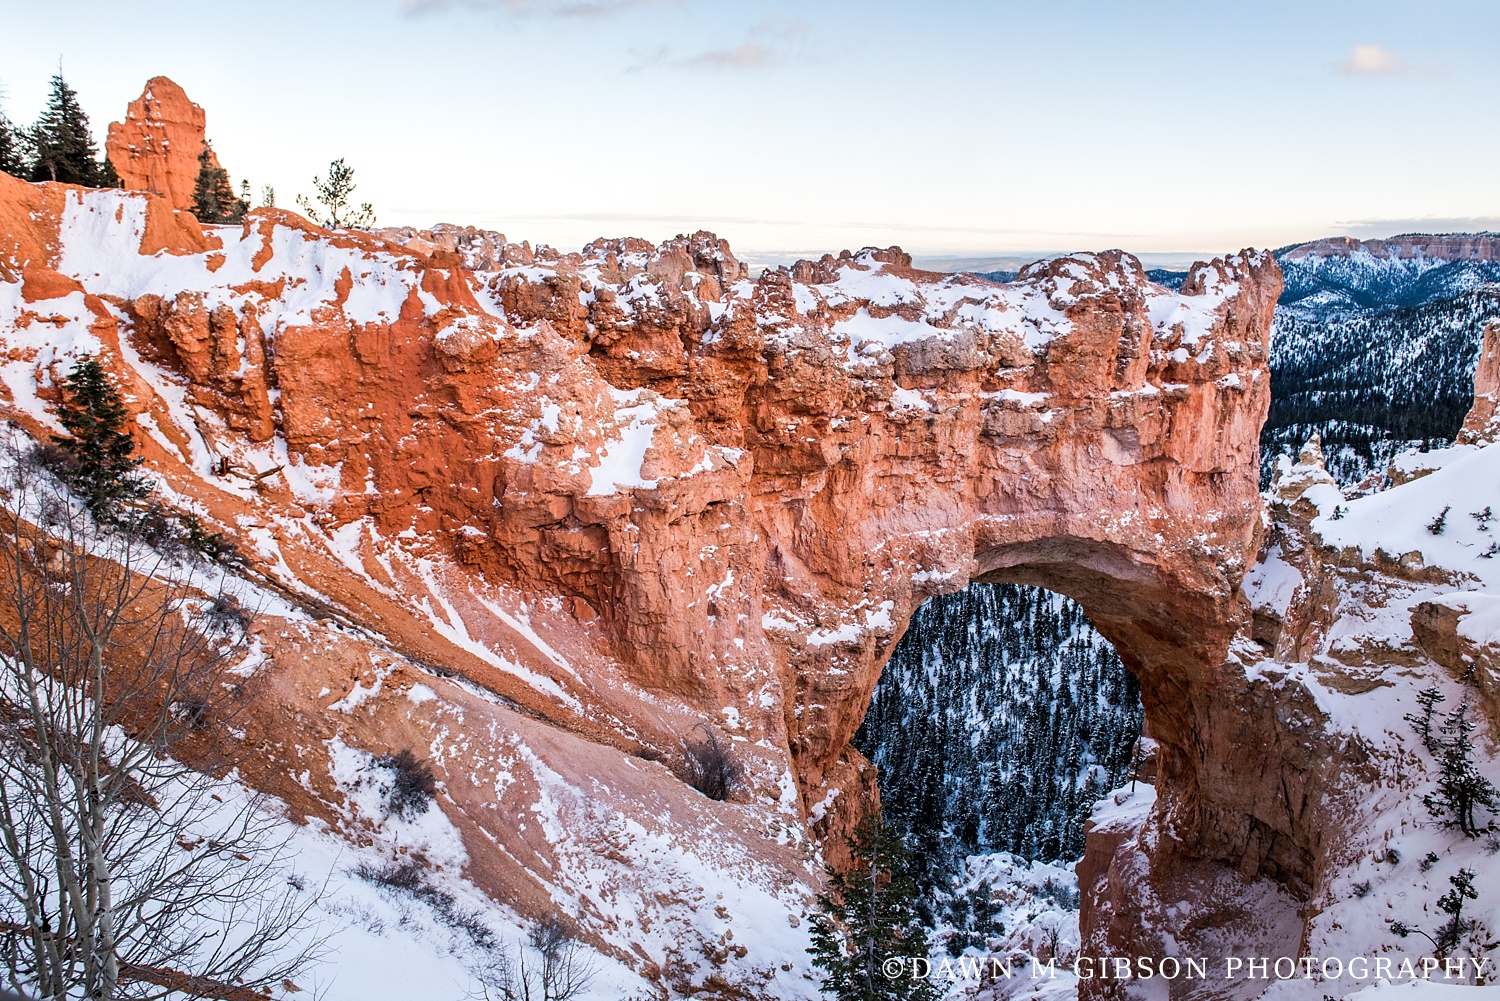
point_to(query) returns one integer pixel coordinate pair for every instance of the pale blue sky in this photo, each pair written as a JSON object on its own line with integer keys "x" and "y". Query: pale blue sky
{"x": 949, "y": 128}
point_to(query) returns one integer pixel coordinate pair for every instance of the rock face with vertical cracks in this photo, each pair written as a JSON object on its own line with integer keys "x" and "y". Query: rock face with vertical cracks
{"x": 631, "y": 491}
{"x": 156, "y": 147}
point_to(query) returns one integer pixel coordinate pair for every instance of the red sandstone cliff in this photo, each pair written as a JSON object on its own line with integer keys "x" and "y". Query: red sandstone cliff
{"x": 629, "y": 491}
{"x": 547, "y": 513}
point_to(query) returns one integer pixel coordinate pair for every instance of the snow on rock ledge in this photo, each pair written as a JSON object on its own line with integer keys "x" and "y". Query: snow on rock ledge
{"x": 594, "y": 500}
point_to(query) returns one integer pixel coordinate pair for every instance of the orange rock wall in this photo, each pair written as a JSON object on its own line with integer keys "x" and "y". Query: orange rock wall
{"x": 719, "y": 500}
{"x": 156, "y": 147}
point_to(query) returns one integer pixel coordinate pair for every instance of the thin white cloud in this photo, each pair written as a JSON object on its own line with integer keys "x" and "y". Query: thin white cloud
{"x": 745, "y": 56}
{"x": 1373, "y": 60}
{"x": 530, "y": 8}
{"x": 771, "y": 41}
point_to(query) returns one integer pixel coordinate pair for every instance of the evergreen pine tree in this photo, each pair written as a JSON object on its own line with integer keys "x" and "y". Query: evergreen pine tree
{"x": 106, "y": 176}
{"x": 214, "y": 200}
{"x": 1427, "y": 698}
{"x": 1462, "y": 788}
{"x": 103, "y": 452}
{"x": 866, "y": 927}
{"x": 12, "y": 148}
{"x": 1451, "y": 933}
{"x": 334, "y": 194}
{"x": 63, "y": 145}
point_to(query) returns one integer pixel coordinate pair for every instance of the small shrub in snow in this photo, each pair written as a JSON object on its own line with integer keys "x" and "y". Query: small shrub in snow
{"x": 972, "y": 916}
{"x": 1061, "y": 894}
{"x": 215, "y": 547}
{"x": 1483, "y": 517}
{"x": 408, "y": 876}
{"x": 225, "y": 614}
{"x": 1437, "y": 525}
{"x": 1430, "y": 860}
{"x": 192, "y": 711}
{"x": 414, "y": 786}
{"x": 712, "y": 767}
{"x": 56, "y": 460}
{"x": 1451, "y": 933}
{"x": 549, "y": 966}
{"x": 1361, "y": 890}
{"x": 1491, "y": 552}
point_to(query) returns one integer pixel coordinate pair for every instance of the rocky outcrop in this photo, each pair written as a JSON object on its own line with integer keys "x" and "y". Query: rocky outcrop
{"x": 156, "y": 147}
{"x": 475, "y": 249}
{"x": 629, "y": 492}
{"x": 546, "y": 515}
{"x": 1482, "y": 424}
{"x": 1355, "y": 605}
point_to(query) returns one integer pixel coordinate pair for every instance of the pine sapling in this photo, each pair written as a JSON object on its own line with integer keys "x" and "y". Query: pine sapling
{"x": 334, "y": 195}
{"x": 1439, "y": 524}
{"x": 1450, "y": 933}
{"x": 104, "y": 471}
{"x": 1428, "y": 699}
{"x": 865, "y": 933}
{"x": 214, "y": 200}
{"x": 1462, "y": 788}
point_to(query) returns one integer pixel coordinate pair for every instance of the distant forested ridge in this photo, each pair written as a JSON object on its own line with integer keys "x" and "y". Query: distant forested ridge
{"x": 1374, "y": 382}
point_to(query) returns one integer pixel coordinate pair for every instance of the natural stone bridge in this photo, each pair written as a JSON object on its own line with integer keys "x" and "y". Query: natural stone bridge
{"x": 723, "y": 497}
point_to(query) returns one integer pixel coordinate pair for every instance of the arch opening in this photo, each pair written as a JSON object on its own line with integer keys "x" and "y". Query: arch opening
{"x": 1000, "y": 718}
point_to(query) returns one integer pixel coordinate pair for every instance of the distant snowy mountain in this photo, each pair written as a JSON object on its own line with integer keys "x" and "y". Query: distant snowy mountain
{"x": 1374, "y": 345}
{"x": 1374, "y": 382}
{"x": 1328, "y": 278}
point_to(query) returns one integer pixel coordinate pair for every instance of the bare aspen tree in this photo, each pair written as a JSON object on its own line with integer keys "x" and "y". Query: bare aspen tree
{"x": 549, "y": 966}
{"x": 127, "y": 870}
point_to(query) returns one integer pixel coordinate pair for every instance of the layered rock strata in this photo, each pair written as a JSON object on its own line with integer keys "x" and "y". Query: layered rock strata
{"x": 599, "y": 500}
